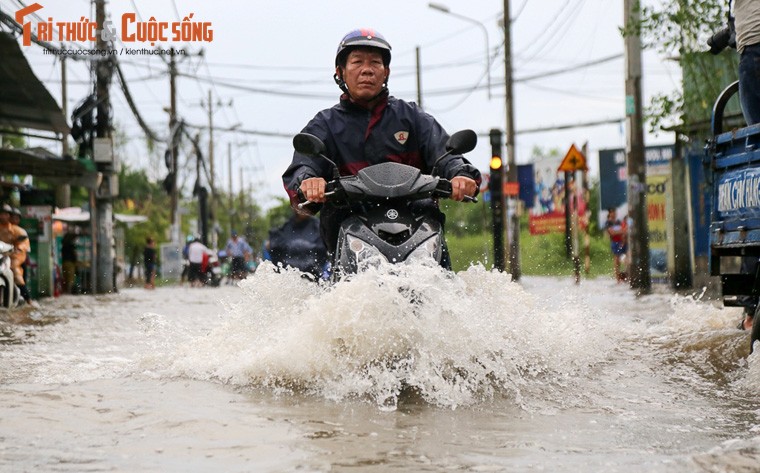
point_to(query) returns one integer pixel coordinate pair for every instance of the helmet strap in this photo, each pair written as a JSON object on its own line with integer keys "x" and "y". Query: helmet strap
{"x": 338, "y": 78}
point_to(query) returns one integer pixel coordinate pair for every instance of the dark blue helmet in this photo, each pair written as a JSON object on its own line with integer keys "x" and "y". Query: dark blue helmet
{"x": 364, "y": 37}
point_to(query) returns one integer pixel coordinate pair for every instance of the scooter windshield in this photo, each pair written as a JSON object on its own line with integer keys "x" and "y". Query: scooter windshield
{"x": 390, "y": 181}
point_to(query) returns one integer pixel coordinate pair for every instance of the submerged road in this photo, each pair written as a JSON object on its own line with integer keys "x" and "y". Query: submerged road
{"x": 415, "y": 370}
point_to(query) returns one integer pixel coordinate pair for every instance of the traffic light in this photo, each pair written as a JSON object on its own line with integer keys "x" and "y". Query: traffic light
{"x": 497, "y": 197}
{"x": 496, "y": 163}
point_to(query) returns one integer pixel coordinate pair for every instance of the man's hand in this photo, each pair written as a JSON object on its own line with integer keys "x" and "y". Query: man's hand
{"x": 313, "y": 189}
{"x": 462, "y": 186}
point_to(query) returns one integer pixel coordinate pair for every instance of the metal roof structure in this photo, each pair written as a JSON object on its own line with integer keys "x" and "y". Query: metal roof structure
{"x": 24, "y": 100}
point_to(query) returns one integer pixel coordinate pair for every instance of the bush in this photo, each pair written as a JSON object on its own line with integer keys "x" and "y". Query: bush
{"x": 540, "y": 255}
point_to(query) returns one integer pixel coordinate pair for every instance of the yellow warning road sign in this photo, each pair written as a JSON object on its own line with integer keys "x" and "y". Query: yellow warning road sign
{"x": 574, "y": 160}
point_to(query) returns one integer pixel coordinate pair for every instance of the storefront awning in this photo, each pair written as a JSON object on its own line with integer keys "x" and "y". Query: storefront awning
{"x": 45, "y": 165}
{"x": 24, "y": 100}
{"x": 77, "y": 215}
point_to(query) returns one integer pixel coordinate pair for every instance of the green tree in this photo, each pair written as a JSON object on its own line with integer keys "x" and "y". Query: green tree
{"x": 139, "y": 196}
{"x": 12, "y": 141}
{"x": 679, "y": 29}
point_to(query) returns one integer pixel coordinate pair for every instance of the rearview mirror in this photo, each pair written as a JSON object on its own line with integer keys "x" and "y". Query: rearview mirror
{"x": 308, "y": 144}
{"x": 462, "y": 142}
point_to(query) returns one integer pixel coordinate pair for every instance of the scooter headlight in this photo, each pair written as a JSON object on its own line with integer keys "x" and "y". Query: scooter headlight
{"x": 364, "y": 253}
{"x": 427, "y": 252}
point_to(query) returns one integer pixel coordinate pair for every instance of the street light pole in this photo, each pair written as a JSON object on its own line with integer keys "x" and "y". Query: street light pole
{"x": 446, "y": 10}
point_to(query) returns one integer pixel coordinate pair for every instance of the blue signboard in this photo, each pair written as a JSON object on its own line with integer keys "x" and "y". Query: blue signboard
{"x": 613, "y": 173}
{"x": 527, "y": 184}
{"x": 613, "y": 178}
{"x": 700, "y": 202}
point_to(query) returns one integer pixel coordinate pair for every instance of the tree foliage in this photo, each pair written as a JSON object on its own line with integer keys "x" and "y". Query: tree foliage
{"x": 140, "y": 196}
{"x": 679, "y": 30}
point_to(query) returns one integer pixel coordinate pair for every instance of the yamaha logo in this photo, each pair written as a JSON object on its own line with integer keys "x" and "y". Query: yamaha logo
{"x": 392, "y": 214}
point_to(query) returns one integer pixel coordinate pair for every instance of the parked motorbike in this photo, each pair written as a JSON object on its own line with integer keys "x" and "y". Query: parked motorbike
{"x": 9, "y": 292}
{"x": 384, "y": 225}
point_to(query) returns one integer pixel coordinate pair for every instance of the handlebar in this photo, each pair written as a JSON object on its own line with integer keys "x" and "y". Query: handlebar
{"x": 333, "y": 188}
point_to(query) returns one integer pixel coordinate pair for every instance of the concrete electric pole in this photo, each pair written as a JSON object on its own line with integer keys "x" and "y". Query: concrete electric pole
{"x": 511, "y": 174}
{"x": 103, "y": 271}
{"x": 635, "y": 157}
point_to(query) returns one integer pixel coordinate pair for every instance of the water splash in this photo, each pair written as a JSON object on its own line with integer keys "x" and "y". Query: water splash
{"x": 453, "y": 340}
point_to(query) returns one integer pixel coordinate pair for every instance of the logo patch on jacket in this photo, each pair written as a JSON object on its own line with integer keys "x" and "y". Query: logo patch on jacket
{"x": 401, "y": 136}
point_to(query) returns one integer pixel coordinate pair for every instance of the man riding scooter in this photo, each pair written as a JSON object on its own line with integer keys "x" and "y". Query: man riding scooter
{"x": 368, "y": 126}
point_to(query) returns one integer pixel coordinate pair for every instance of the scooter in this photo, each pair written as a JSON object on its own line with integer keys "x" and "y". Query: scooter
{"x": 9, "y": 293}
{"x": 383, "y": 226}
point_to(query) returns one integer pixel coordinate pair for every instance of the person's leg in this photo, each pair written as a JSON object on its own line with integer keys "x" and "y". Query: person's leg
{"x": 148, "y": 269}
{"x": 238, "y": 267}
{"x": 445, "y": 256}
{"x": 749, "y": 83}
{"x": 26, "y": 295}
{"x": 748, "y": 265}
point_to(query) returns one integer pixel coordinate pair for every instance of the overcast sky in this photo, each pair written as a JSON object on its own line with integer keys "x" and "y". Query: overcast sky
{"x": 288, "y": 47}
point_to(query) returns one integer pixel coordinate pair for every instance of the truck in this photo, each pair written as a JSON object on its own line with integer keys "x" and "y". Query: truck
{"x": 732, "y": 167}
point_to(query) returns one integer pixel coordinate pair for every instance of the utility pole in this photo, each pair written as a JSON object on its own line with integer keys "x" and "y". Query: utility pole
{"x": 568, "y": 223}
{"x": 587, "y": 216}
{"x": 174, "y": 148}
{"x": 419, "y": 77}
{"x": 637, "y": 176}
{"x": 103, "y": 271}
{"x": 63, "y": 191}
{"x": 200, "y": 192}
{"x": 214, "y": 223}
{"x": 511, "y": 174}
{"x": 232, "y": 199}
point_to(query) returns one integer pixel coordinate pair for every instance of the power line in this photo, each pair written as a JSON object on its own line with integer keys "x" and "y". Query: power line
{"x": 127, "y": 95}
{"x": 573, "y": 68}
{"x": 559, "y": 31}
{"x": 595, "y": 62}
{"x": 519, "y": 11}
{"x": 574, "y": 93}
{"x": 258, "y": 90}
{"x": 570, "y": 126}
{"x": 449, "y": 91}
{"x": 274, "y": 134}
{"x": 548, "y": 28}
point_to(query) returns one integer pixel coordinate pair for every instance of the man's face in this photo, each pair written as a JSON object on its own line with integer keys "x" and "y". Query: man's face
{"x": 5, "y": 217}
{"x": 365, "y": 73}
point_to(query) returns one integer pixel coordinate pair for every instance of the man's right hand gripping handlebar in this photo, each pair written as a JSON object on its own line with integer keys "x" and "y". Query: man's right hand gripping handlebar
{"x": 312, "y": 190}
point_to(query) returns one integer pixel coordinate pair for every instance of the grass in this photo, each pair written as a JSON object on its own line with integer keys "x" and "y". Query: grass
{"x": 540, "y": 255}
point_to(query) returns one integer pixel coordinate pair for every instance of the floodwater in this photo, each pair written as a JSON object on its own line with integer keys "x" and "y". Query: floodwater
{"x": 409, "y": 370}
